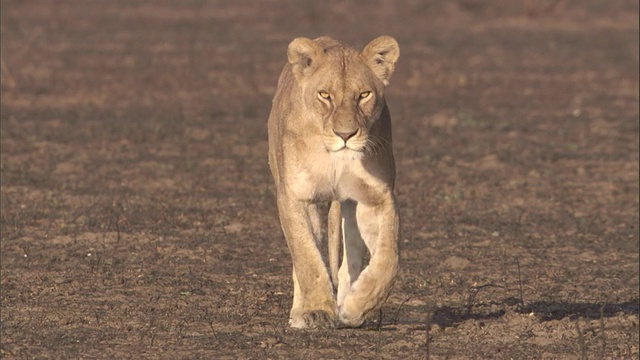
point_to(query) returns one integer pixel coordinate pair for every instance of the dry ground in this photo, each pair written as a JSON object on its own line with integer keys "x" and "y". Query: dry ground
{"x": 138, "y": 219}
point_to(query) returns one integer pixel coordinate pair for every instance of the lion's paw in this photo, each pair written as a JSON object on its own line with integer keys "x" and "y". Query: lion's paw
{"x": 315, "y": 319}
{"x": 351, "y": 317}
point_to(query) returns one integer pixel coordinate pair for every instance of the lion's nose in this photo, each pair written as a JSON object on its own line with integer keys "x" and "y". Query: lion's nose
{"x": 346, "y": 135}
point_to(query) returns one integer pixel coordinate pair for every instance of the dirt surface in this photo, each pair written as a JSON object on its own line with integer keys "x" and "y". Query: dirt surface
{"x": 138, "y": 217}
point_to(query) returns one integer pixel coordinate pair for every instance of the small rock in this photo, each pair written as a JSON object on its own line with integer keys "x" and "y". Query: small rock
{"x": 435, "y": 329}
{"x": 233, "y": 228}
{"x": 456, "y": 262}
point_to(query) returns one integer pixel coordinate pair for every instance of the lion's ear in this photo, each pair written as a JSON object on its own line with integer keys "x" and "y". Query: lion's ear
{"x": 381, "y": 55}
{"x": 302, "y": 54}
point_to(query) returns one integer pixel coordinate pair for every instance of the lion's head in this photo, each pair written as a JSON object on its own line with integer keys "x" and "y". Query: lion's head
{"x": 343, "y": 89}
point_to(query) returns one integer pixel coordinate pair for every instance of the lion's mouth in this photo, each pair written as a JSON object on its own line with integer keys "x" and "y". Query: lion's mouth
{"x": 340, "y": 145}
{"x": 345, "y": 151}
{"x": 353, "y": 146}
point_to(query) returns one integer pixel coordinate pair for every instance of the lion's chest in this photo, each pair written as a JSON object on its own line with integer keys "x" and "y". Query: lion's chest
{"x": 325, "y": 181}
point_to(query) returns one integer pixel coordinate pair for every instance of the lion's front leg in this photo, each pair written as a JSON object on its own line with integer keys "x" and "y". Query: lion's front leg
{"x": 379, "y": 228}
{"x": 313, "y": 302}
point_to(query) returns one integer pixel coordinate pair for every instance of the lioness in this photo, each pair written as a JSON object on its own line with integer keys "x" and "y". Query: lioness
{"x": 330, "y": 140}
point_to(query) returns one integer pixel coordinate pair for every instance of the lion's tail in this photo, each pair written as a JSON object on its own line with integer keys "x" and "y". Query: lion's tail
{"x": 335, "y": 240}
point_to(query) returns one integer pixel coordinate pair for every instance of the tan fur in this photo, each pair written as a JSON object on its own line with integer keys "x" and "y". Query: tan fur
{"x": 330, "y": 140}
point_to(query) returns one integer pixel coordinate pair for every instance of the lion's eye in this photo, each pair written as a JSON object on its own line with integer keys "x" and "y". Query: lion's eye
{"x": 365, "y": 94}
{"x": 325, "y": 95}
